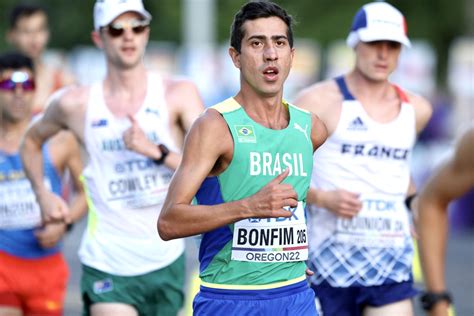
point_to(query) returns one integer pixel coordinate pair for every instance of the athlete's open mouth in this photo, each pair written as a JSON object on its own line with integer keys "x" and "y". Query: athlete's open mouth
{"x": 270, "y": 73}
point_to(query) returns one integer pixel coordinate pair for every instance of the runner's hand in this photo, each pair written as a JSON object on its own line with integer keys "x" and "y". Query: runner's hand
{"x": 53, "y": 208}
{"x": 270, "y": 201}
{"x": 341, "y": 202}
{"x": 50, "y": 234}
{"x": 135, "y": 139}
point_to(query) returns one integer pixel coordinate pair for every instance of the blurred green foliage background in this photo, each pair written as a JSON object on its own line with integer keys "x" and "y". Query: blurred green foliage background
{"x": 437, "y": 21}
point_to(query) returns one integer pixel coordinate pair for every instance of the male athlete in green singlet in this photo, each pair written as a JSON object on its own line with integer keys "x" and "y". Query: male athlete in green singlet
{"x": 248, "y": 161}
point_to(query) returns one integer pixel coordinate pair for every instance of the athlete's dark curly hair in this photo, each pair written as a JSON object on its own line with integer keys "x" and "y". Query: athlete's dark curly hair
{"x": 253, "y": 11}
{"x": 15, "y": 60}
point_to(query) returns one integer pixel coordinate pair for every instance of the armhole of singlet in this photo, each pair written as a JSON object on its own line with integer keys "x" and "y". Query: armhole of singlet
{"x": 341, "y": 83}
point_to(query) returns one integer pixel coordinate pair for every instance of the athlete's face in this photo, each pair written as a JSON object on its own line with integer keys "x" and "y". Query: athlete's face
{"x": 265, "y": 58}
{"x": 377, "y": 60}
{"x": 124, "y": 50}
{"x": 30, "y": 34}
{"x": 16, "y": 98}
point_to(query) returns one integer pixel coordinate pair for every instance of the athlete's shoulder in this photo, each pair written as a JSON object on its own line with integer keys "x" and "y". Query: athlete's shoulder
{"x": 209, "y": 131}
{"x": 413, "y": 98}
{"x": 182, "y": 93}
{"x": 422, "y": 107}
{"x": 226, "y": 106}
{"x": 464, "y": 155}
{"x": 319, "y": 96}
{"x": 178, "y": 84}
{"x": 178, "y": 88}
{"x": 210, "y": 120}
{"x": 71, "y": 96}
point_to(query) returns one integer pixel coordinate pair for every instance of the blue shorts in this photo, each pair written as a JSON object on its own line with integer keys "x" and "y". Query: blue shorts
{"x": 351, "y": 301}
{"x": 295, "y": 299}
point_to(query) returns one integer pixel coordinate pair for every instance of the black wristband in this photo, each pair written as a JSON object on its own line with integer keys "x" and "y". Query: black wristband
{"x": 69, "y": 227}
{"x": 429, "y": 299}
{"x": 164, "y": 153}
{"x": 408, "y": 201}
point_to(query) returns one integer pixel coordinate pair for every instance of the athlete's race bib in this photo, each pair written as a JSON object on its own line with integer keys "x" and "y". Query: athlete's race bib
{"x": 136, "y": 184}
{"x": 18, "y": 207}
{"x": 382, "y": 222}
{"x": 271, "y": 239}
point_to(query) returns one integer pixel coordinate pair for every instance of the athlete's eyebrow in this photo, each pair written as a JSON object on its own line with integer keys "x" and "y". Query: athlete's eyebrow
{"x": 263, "y": 37}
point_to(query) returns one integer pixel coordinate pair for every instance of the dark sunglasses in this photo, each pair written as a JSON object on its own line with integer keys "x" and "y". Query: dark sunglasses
{"x": 10, "y": 85}
{"x": 117, "y": 29}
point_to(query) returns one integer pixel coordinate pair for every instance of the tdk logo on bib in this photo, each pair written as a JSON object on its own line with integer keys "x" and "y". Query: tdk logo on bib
{"x": 357, "y": 125}
{"x": 293, "y": 216}
{"x": 245, "y": 134}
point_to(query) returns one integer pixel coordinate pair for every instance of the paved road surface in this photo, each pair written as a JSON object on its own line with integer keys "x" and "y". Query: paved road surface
{"x": 460, "y": 266}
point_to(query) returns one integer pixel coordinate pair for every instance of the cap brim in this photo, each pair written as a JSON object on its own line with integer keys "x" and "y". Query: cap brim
{"x": 144, "y": 13}
{"x": 383, "y": 36}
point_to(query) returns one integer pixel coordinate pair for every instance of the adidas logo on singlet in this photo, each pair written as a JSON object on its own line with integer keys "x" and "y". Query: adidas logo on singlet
{"x": 99, "y": 123}
{"x": 357, "y": 125}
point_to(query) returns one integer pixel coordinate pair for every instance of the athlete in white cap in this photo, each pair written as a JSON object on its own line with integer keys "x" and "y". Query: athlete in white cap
{"x": 360, "y": 244}
{"x": 131, "y": 126}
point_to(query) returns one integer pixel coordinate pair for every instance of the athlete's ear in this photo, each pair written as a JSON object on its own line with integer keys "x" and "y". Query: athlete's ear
{"x": 235, "y": 55}
{"x": 292, "y": 56}
{"x": 96, "y": 39}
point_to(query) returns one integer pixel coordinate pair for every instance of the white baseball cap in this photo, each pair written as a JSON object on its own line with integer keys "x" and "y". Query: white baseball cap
{"x": 105, "y": 11}
{"x": 378, "y": 21}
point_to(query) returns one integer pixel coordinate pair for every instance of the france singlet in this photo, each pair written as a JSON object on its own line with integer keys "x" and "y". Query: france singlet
{"x": 20, "y": 215}
{"x": 372, "y": 159}
{"x": 126, "y": 190}
{"x": 258, "y": 253}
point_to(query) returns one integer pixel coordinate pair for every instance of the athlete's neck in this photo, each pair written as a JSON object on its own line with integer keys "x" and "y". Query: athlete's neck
{"x": 365, "y": 89}
{"x": 131, "y": 80}
{"x": 267, "y": 111}
{"x": 125, "y": 90}
{"x": 11, "y": 134}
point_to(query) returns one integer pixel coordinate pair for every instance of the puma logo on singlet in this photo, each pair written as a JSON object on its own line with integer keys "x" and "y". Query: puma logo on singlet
{"x": 304, "y": 131}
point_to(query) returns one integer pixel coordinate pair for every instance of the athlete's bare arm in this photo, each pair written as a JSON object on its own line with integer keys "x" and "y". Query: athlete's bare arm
{"x": 325, "y": 100}
{"x": 423, "y": 110}
{"x": 65, "y": 112}
{"x": 450, "y": 181}
{"x": 319, "y": 132}
{"x": 208, "y": 151}
{"x": 66, "y": 146}
{"x": 65, "y": 155}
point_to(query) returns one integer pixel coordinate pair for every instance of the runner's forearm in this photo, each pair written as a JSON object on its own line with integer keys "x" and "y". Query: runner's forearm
{"x": 180, "y": 220}
{"x": 32, "y": 160}
{"x": 78, "y": 206}
{"x": 433, "y": 230}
